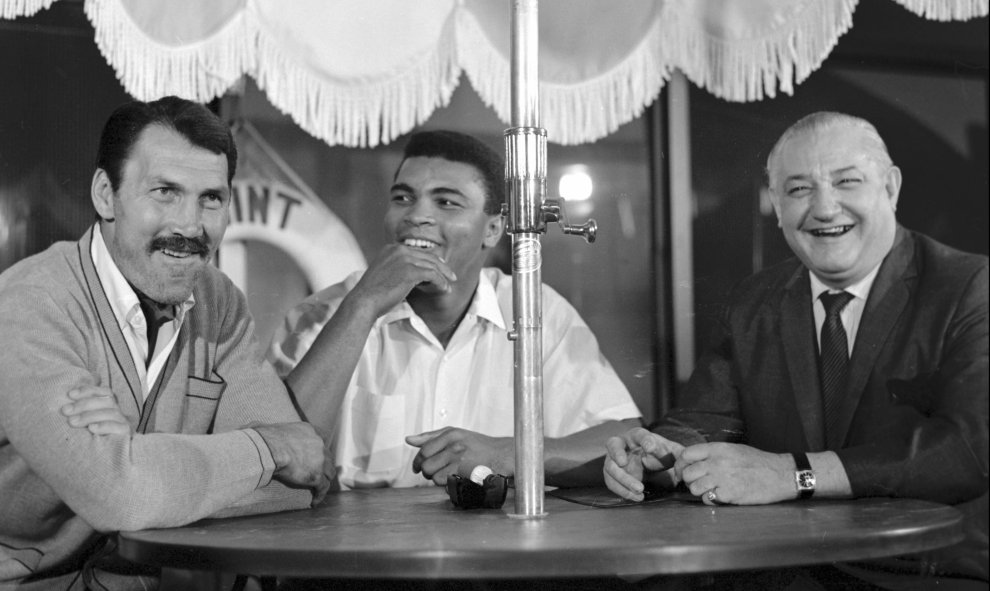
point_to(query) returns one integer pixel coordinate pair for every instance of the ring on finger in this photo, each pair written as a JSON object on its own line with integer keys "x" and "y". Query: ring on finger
{"x": 711, "y": 496}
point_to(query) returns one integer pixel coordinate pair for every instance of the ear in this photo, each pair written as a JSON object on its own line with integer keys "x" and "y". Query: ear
{"x": 775, "y": 202}
{"x": 892, "y": 184}
{"x": 102, "y": 194}
{"x": 493, "y": 230}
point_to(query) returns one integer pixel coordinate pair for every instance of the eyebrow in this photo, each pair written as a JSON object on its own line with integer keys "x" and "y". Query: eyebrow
{"x": 446, "y": 191}
{"x": 837, "y": 171}
{"x": 845, "y": 169}
{"x": 160, "y": 180}
{"x": 165, "y": 182}
{"x": 433, "y": 191}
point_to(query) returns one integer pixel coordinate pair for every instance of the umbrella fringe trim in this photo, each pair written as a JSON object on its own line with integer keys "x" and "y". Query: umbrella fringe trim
{"x": 571, "y": 113}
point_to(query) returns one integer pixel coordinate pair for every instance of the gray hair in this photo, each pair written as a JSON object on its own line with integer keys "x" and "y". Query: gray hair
{"x": 822, "y": 120}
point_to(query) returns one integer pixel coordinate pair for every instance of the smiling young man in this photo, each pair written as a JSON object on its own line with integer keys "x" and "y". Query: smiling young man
{"x": 410, "y": 359}
{"x": 133, "y": 327}
{"x": 883, "y": 395}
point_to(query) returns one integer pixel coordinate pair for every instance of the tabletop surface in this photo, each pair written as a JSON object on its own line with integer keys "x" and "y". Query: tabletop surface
{"x": 417, "y": 533}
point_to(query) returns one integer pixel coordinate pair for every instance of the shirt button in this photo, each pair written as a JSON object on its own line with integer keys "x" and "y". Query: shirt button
{"x": 443, "y": 413}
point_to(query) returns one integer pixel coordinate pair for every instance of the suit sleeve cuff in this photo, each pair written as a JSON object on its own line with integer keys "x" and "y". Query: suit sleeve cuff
{"x": 264, "y": 457}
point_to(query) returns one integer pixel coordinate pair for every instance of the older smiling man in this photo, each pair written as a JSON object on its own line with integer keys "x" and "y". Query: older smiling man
{"x": 857, "y": 369}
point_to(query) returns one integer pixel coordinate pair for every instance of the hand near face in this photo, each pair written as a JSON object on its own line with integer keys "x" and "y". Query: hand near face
{"x": 300, "y": 454}
{"x": 451, "y": 450}
{"x": 740, "y": 475}
{"x": 632, "y": 457}
{"x": 95, "y": 408}
{"x": 397, "y": 270}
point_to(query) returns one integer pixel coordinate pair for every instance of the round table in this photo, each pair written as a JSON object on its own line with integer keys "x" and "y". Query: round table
{"x": 417, "y": 534}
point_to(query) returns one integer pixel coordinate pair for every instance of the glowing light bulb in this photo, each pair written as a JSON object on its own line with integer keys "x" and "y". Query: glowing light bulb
{"x": 575, "y": 185}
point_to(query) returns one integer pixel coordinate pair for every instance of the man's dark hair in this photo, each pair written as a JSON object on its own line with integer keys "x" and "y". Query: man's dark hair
{"x": 460, "y": 147}
{"x": 194, "y": 121}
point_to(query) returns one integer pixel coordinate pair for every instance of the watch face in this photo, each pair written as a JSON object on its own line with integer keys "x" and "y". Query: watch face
{"x": 806, "y": 480}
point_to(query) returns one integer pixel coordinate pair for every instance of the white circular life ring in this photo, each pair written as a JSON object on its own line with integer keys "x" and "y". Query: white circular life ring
{"x": 305, "y": 228}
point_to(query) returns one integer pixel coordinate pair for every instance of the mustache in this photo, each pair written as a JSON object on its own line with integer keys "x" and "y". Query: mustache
{"x": 199, "y": 245}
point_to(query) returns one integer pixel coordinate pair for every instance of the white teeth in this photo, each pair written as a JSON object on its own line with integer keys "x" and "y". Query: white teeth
{"x": 172, "y": 253}
{"x": 419, "y": 243}
{"x": 834, "y": 231}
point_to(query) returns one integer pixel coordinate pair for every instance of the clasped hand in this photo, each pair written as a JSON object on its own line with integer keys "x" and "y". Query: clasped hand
{"x": 738, "y": 474}
{"x": 632, "y": 457}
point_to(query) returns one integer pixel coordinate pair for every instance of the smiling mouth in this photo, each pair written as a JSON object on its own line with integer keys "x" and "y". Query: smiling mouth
{"x": 419, "y": 243}
{"x": 830, "y": 232}
{"x": 176, "y": 254}
{"x": 180, "y": 247}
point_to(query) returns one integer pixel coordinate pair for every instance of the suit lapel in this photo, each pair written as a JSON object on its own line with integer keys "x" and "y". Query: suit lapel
{"x": 108, "y": 322}
{"x": 798, "y": 332}
{"x": 888, "y": 297}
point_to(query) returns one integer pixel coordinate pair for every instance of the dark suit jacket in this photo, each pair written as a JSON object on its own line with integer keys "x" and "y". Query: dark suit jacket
{"x": 914, "y": 423}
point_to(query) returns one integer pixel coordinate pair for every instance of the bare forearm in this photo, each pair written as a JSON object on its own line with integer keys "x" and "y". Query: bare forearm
{"x": 577, "y": 459}
{"x": 319, "y": 381}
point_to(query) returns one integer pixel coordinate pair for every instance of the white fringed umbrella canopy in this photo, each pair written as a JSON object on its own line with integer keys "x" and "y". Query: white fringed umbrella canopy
{"x": 361, "y": 73}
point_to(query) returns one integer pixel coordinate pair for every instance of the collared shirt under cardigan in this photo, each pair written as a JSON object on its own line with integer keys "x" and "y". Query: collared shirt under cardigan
{"x": 407, "y": 383}
{"x": 131, "y": 320}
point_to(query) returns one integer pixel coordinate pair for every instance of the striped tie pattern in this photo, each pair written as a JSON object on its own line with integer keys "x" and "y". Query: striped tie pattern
{"x": 834, "y": 360}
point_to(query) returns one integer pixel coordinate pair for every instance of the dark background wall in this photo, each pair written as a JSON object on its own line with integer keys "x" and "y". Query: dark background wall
{"x": 56, "y": 93}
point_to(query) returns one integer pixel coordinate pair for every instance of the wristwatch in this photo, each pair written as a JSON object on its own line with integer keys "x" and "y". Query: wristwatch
{"x": 804, "y": 476}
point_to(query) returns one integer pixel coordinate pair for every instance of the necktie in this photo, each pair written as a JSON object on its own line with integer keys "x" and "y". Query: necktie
{"x": 834, "y": 360}
{"x": 155, "y": 315}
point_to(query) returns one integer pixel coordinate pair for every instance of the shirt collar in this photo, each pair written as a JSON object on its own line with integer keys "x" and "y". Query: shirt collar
{"x": 860, "y": 290}
{"x": 484, "y": 305}
{"x": 123, "y": 300}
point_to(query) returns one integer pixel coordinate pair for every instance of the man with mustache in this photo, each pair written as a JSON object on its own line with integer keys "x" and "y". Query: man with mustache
{"x": 133, "y": 323}
{"x": 858, "y": 368}
{"x": 410, "y": 359}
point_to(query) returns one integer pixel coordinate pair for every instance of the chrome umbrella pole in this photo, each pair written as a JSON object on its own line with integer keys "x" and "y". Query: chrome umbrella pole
{"x": 526, "y": 175}
{"x": 529, "y": 211}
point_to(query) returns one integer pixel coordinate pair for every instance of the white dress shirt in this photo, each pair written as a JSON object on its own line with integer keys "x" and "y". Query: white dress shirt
{"x": 407, "y": 383}
{"x": 130, "y": 319}
{"x": 853, "y": 311}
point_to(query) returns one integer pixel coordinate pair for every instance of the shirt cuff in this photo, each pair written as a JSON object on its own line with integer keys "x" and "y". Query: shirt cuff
{"x": 264, "y": 455}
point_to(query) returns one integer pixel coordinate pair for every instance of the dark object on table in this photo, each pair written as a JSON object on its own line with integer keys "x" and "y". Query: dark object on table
{"x": 465, "y": 494}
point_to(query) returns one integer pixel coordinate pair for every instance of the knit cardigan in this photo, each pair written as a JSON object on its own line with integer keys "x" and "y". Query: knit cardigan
{"x": 189, "y": 455}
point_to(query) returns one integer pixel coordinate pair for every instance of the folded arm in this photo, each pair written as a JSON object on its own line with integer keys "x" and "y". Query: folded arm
{"x": 118, "y": 481}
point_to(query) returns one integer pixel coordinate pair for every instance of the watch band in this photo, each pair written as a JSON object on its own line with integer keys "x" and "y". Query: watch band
{"x": 804, "y": 476}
